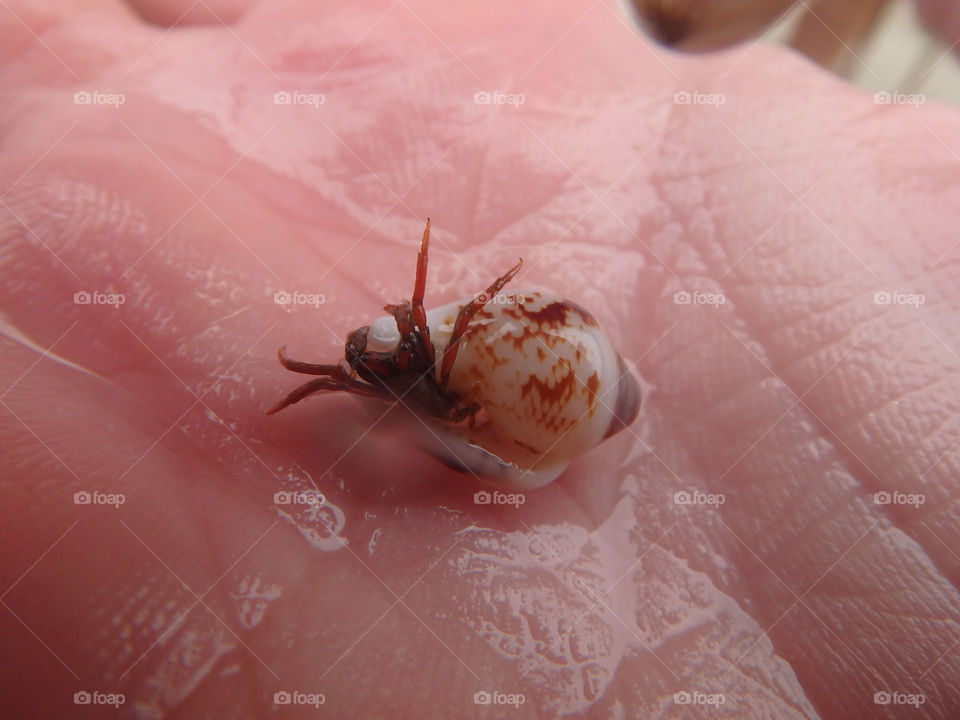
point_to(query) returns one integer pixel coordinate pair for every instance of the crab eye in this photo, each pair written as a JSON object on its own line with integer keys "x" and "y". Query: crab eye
{"x": 404, "y": 348}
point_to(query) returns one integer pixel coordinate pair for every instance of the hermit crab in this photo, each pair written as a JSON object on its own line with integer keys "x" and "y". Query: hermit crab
{"x": 509, "y": 387}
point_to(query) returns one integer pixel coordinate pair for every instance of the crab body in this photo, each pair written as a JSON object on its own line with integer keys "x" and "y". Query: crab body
{"x": 510, "y": 386}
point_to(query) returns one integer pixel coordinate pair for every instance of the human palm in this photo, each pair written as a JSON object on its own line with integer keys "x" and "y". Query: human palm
{"x": 781, "y": 398}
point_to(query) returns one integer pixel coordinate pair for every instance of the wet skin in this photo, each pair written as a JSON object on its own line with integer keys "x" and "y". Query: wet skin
{"x": 788, "y": 590}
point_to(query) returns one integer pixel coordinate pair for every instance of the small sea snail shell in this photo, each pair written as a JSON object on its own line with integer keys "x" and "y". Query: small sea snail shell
{"x": 511, "y": 386}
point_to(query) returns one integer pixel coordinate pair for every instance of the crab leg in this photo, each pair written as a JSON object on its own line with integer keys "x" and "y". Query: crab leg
{"x": 330, "y": 384}
{"x": 338, "y": 380}
{"x": 465, "y": 315}
{"x": 419, "y": 314}
{"x": 412, "y": 318}
{"x": 307, "y": 368}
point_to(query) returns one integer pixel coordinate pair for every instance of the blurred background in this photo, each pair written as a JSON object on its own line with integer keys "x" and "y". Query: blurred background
{"x": 908, "y": 46}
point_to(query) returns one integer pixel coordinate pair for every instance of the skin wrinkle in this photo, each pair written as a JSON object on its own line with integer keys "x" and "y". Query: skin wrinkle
{"x": 854, "y": 462}
{"x": 868, "y": 411}
{"x": 666, "y": 645}
{"x": 931, "y": 434}
{"x": 94, "y": 388}
{"x": 911, "y": 420}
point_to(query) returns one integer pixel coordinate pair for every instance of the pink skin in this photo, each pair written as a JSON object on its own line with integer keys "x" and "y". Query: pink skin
{"x": 797, "y": 399}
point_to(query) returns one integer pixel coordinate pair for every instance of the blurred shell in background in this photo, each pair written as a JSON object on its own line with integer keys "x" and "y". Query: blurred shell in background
{"x": 909, "y": 46}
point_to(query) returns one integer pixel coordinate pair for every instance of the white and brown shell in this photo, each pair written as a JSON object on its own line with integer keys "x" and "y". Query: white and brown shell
{"x": 550, "y": 384}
